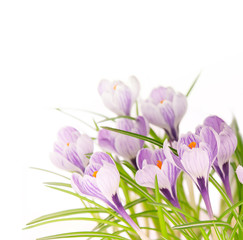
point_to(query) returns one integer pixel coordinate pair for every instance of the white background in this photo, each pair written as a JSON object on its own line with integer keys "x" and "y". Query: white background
{"x": 54, "y": 53}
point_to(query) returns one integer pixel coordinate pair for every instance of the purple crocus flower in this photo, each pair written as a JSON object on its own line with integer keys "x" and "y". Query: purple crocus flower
{"x": 71, "y": 149}
{"x": 239, "y": 172}
{"x": 151, "y": 163}
{"x": 123, "y": 145}
{"x": 165, "y": 108}
{"x": 228, "y": 143}
{"x": 117, "y": 96}
{"x": 196, "y": 154}
{"x": 101, "y": 180}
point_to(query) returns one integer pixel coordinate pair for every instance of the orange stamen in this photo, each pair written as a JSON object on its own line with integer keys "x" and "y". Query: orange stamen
{"x": 95, "y": 173}
{"x": 159, "y": 164}
{"x": 192, "y": 145}
{"x": 162, "y": 101}
{"x": 115, "y": 86}
{"x": 68, "y": 144}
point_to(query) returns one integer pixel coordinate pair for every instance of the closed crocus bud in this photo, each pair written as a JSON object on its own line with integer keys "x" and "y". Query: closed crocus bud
{"x": 101, "y": 180}
{"x": 165, "y": 108}
{"x": 227, "y": 146}
{"x": 71, "y": 149}
{"x": 196, "y": 155}
{"x": 119, "y": 97}
{"x": 153, "y": 162}
{"x": 123, "y": 145}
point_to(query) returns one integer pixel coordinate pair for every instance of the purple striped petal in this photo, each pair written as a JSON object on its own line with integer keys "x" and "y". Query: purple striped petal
{"x": 147, "y": 155}
{"x": 108, "y": 179}
{"x": 106, "y": 140}
{"x": 101, "y": 158}
{"x": 214, "y": 122}
{"x": 179, "y": 105}
{"x": 146, "y": 177}
{"x": 86, "y": 186}
{"x": 127, "y": 146}
{"x": 68, "y": 134}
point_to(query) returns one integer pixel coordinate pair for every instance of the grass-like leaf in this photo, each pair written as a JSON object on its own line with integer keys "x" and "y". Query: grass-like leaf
{"x": 83, "y": 234}
{"x": 99, "y": 220}
{"x": 160, "y": 212}
{"x": 66, "y": 213}
{"x": 193, "y": 84}
{"x": 44, "y": 170}
{"x": 202, "y": 224}
{"x": 115, "y": 118}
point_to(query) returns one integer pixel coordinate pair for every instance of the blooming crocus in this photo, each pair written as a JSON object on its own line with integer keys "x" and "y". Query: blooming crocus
{"x": 120, "y": 144}
{"x": 196, "y": 154}
{"x": 165, "y": 108}
{"x": 117, "y": 96}
{"x": 151, "y": 163}
{"x": 239, "y": 172}
{"x": 71, "y": 149}
{"x": 101, "y": 180}
{"x": 228, "y": 143}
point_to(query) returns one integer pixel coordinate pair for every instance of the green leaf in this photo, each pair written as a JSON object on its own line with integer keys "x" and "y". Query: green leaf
{"x": 58, "y": 184}
{"x": 160, "y": 212}
{"x": 66, "y": 213}
{"x": 135, "y": 135}
{"x": 202, "y": 224}
{"x": 83, "y": 234}
{"x": 193, "y": 84}
{"x": 115, "y": 118}
{"x": 44, "y": 170}
{"x": 110, "y": 223}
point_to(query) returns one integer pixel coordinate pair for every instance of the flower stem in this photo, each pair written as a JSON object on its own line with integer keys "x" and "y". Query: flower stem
{"x": 227, "y": 188}
{"x": 124, "y": 214}
{"x": 207, "y": 202}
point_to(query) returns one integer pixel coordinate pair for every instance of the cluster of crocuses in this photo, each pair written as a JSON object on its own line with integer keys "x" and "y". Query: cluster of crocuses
{"x": 96, "y": 174}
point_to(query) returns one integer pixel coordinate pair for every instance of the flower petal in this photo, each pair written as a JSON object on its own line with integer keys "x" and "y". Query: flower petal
{"x": 197, "y": 163}
{"x": 86, "y": 186}
{"x": 239, "y": 172}
{"x": 61, "y": 162}
{"x": 134, "y": 86}
{"x": 145, "y": 154}
{"x": 106, "y": 140}
{"x": 101, "y": 158}
{"x": 179, "y": 104}
{"x": 68, "y": 134}
{"x": 108, "y": 179}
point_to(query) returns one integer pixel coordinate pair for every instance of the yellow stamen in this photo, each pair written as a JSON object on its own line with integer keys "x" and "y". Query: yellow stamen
{"x": 115, "y": 86}
{"x": 159, "y": 164}
{"x": 192, "y": 145}
{"x": 68, "y": 144}
{"x": 162, "y": 101}
{"x": 95, "y": 173}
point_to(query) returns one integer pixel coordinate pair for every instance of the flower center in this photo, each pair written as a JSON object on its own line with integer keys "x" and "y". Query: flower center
{"x": 159, "y": 164}
{"x": 115, "y": 86}
{"x": 192, "y": 145}
{"x": 68, "y": 144}
{"x": 162, "y": 101}
{"x": 95, "y": 173}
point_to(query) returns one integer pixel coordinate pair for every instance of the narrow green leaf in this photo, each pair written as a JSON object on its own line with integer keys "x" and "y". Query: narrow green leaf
{"x": 60, "y": 184}
{"x": 135, "y": 135}
{"x": 193, "y": 84}
{"x": 83, "y": 234}
{"x": 160, "y": 212}
{"x": 66, "y": 213}
{"x": 110, "y": 223}
{"x": 44, "y": 170}
{"x": 202, "y": 224}
{"x": 115, "y": 118}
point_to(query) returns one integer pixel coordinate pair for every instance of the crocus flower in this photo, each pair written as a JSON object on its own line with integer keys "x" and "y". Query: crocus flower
{"x": 165, "y": 108}
{"x": 239, "y": 172}
{"x": 117, "y": 96}
{"x": 101, "y": 180}
{"x": 228, "y": 143}
{"x": 196, "y": 154}
{"x": 151, "y": 163}
{"x": 71, "y": 149}
{"x": 121, "y": 144}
